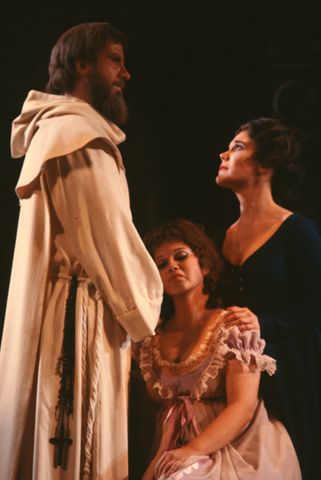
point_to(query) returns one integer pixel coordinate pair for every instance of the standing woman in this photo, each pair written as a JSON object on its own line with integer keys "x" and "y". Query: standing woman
{"x": 272, "y": 262}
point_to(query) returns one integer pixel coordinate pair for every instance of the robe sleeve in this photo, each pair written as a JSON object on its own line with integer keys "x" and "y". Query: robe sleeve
{"x": 88, "y": 192}
{"x": 303, "y": 250}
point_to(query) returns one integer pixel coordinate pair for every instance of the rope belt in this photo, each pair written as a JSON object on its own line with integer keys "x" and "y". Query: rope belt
{"x": 66, "y": 391}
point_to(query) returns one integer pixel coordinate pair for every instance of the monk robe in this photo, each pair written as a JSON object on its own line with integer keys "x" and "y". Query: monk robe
{"x": 75, "y": 222}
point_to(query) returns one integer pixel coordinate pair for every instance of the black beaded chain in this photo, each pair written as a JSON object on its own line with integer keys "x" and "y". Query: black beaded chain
{"x": 66, "y": 392}
{"x": 61, "y": 441}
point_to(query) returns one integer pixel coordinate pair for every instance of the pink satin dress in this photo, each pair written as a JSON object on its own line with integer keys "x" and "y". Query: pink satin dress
{"x": 194, "y": 395}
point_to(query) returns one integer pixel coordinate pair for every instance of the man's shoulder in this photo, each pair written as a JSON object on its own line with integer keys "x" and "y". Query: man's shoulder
{"x": 66, "y": 131}
{"x": 58, "y": 123}
{"x": 59, "y": 132}
{"x": 80, "y": 120}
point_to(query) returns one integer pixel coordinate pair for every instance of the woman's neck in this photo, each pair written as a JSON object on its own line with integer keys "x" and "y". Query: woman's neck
{"x": 189, "y": 309}
{"x": 257, "y": 205}
{"x": 259, "y": 219}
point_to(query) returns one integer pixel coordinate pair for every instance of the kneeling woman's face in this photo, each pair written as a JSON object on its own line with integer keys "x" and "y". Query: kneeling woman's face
{"x": 179, "y": 268}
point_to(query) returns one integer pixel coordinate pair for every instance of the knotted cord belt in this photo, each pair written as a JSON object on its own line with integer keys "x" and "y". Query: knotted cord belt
{"x": 66, "y": 391}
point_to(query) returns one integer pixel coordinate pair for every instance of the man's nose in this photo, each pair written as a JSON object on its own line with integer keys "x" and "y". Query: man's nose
{"x": 124, "y": 73}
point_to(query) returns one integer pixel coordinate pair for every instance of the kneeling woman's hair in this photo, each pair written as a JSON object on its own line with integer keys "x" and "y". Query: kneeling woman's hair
{"x": 203, "y": 247}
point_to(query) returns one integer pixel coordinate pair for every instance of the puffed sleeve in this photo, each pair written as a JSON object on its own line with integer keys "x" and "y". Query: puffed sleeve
{"x": 88, "y": 191}
{"x": 246, "y": 347}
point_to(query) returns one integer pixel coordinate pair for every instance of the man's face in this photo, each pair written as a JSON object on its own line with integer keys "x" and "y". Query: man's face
{"x": 106, "y": 82}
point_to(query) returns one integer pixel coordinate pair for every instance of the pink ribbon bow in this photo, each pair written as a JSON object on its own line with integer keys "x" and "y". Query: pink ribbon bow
{"x": 187, "y": 415}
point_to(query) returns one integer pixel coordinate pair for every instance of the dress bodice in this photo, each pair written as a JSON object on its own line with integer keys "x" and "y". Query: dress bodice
{"x": 202, "y": 375}
{"x": 282, "y": 277}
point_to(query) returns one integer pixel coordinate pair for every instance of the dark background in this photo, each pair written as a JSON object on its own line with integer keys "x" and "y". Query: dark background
{"x": 199, "y": 69}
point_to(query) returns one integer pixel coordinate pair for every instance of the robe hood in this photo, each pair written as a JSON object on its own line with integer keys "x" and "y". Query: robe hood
{"x": 51, "y": 126}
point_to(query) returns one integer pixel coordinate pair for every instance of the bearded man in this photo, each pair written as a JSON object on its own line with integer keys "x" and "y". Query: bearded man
{"x": 82, "y": 281}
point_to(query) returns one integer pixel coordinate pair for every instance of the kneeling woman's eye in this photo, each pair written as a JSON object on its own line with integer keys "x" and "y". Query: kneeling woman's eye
{"x": 181, "y": 256}
{"x": 161, "y": 265}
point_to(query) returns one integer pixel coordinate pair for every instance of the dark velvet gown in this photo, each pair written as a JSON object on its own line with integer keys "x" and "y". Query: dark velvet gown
{"x": 281, "y": 284}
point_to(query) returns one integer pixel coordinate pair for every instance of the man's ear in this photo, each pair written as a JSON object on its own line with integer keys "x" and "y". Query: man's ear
{"x": 83, "y": 67}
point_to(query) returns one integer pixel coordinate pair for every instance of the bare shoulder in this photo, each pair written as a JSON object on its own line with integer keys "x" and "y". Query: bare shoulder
{"x": 215, "y": 317}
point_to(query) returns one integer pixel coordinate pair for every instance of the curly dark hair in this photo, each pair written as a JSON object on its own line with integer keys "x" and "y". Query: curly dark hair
{"x": 201, "y": 244}
{"x": 281, "y": 147}
{"x": 83, "y": 42}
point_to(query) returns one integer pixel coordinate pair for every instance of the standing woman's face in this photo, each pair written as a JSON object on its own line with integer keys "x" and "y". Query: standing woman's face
{"x": 238, "y": 169}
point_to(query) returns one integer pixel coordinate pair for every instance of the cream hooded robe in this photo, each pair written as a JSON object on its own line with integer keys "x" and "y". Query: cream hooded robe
{"x": 75, "y": 220}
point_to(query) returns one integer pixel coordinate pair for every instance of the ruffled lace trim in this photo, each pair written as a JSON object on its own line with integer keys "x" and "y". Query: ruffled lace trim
{"x": 246, "y": 347}
{"x": 211, "y": 372}
{"x": 193, "y": 361}
{"x": 148, "y": 373}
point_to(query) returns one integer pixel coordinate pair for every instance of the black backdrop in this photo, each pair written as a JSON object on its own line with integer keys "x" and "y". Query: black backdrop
{"x": 199, "y": 69}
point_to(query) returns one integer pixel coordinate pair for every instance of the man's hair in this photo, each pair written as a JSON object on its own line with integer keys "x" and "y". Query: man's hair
{"x": 281, "y": 147}
{"x": 81, "y": 43}
{"x": 203, "y": 247}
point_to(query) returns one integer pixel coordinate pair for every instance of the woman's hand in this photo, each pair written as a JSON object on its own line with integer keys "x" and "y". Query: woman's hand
{"x": 242, "y": 318}
{"x": 170, "y": 461}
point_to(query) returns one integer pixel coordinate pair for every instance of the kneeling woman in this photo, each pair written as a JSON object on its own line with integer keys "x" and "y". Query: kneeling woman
{"x": 211, "y": 423}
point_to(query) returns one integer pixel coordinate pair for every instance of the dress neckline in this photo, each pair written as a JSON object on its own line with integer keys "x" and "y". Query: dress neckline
{"x": 204, "y": 351}
{"x": 259, "y": 248}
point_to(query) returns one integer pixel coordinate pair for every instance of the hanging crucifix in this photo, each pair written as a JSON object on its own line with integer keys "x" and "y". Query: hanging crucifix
{"x": 62, "y": 441}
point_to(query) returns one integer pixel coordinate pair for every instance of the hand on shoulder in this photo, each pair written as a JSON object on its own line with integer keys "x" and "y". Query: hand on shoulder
{"x": 242, "y": 318}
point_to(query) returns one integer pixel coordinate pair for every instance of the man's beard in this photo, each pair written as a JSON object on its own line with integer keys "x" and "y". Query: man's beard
{"x": 110, "y": 104}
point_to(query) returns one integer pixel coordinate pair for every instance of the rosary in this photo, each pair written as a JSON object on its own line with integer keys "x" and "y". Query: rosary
{"x": 66, "y": 391}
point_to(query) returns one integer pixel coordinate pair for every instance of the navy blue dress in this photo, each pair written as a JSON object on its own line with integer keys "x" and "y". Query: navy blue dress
{"x": 281, "y": 284}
